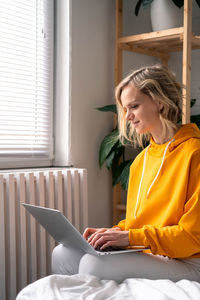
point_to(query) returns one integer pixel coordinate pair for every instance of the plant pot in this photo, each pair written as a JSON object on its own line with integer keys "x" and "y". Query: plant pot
{"x": 165, "y": 14}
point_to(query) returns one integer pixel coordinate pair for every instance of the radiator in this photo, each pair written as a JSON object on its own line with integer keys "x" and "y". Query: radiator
{"x": 25, "y": 247}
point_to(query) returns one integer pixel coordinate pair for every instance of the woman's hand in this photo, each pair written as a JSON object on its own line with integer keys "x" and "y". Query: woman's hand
{"x": 91, "y": 231}
{"x": 106, "y": 237}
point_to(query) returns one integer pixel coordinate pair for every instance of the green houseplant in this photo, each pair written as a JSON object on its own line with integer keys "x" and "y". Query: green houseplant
{"x": 112, "y": 152}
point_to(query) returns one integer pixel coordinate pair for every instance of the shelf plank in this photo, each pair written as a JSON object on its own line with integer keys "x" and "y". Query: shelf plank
{"x": 144, "y": 50}
{"x": 195, "y": 41}
{"x": 169, "y": 34}
{"x": 158, "y": 43}
{"x": 121, "y": 207}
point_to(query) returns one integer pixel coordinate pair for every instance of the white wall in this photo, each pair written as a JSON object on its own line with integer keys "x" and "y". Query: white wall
{"x": 135, "y": 25}
{"x": 92, "y": 86}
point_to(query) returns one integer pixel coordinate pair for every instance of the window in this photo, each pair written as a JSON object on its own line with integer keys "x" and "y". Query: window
{"x": 26, "y": 83}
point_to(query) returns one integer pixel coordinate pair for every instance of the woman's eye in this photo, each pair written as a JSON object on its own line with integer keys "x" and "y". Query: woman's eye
{"x": 135, "y": 106}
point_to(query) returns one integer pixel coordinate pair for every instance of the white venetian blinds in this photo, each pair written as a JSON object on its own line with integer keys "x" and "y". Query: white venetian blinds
{"x": 26, "y": 79}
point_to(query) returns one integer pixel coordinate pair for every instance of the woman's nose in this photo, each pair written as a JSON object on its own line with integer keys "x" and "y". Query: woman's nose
{"x": 128, "y": 115}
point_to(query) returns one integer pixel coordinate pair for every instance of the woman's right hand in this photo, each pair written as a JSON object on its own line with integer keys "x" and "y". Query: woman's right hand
{"x": 89, "y": 231}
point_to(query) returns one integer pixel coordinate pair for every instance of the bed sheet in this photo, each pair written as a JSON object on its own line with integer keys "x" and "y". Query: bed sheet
{"x": 62, "y": 287}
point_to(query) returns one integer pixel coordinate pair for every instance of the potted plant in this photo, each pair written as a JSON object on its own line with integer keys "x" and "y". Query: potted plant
{"x": 165, "y": 14}
{"x": 112, "y": 153}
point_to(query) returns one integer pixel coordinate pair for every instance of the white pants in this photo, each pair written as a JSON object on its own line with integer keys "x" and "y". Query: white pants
{"x": 118, "y": 267}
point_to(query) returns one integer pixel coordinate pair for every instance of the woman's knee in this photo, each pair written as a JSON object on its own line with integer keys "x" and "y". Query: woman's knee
{"x": 65, "y": 260}
{"x": 56, "y": 260}
{"x": 58, "y": 253}
{"x": 90, "y": 264}
{"x": 57, "y": 250}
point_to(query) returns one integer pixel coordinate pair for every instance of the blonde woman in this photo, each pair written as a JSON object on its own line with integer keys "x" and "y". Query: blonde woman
{"x": 163, "y": 202}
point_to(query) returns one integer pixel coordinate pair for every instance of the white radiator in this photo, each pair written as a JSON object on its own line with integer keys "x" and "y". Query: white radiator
{"x": 25, "y": 247}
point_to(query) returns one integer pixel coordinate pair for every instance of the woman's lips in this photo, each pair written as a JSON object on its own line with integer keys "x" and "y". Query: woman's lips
{"x": 135, "y": 123}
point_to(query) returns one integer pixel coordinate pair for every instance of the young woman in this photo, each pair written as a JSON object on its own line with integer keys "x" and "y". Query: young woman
{"x": 163, "y": 202}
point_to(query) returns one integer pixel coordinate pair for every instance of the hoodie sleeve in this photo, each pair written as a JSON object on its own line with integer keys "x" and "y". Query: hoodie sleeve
{"x": 181, "y": 240}
{"x": 121, "y": 224}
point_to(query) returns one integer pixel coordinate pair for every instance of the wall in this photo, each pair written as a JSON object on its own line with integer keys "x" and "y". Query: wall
{"x": 135, "y": 25}
{"x": 92, "y": 65}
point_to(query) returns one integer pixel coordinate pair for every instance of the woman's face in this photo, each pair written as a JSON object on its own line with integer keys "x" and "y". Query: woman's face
{"x": 141, "y": 111}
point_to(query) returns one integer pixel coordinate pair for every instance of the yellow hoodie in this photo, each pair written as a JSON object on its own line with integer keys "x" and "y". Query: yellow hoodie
{"x": 163, "y": 202}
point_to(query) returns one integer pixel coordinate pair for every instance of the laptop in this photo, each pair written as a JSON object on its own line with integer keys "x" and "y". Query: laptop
{"x": 58, "y": 226}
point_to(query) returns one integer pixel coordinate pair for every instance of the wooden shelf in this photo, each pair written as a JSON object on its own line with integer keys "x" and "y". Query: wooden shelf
{"x": 158, "y": 43}
{"x": 121, "y": 207}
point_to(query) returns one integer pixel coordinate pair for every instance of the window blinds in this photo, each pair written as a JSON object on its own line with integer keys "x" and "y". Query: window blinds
{"x": 26, "y": 85}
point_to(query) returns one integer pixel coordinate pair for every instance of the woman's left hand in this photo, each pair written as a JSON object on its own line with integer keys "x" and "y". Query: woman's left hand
{"x": 116, "y": 238}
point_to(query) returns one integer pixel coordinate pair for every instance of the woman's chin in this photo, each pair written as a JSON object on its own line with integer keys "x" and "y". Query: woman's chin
{"x": 140, "y": 130}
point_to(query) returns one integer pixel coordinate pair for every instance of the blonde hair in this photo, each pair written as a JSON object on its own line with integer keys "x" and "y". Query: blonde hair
{"x": 160, "y": 84}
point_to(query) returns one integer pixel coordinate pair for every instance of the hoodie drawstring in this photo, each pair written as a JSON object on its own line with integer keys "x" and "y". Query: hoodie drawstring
{"x": 144, "y": 163}
{"x": 138, "y": 194}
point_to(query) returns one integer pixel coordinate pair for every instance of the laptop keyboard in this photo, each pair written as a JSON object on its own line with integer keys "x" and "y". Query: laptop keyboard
{"x": 108, "y": 249}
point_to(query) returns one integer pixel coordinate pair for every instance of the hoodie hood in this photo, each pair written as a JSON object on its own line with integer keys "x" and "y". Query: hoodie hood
{"x": 186, "y": 132}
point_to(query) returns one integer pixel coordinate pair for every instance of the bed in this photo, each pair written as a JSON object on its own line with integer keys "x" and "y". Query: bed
{"x": 62, "y": 287}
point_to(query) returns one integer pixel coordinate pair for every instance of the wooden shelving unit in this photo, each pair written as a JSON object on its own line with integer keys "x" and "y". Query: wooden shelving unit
{"x": 157, "y": 44}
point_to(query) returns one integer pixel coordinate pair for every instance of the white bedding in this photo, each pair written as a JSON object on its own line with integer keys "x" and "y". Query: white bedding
{"x": 60, "y": 287}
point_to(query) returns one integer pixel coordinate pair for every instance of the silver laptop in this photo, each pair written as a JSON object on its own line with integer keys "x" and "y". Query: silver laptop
{"x": 65, "y": 233}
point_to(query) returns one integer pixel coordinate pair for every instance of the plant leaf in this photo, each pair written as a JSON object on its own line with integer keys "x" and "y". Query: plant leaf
{"x": 192, "y": 102}
{"x": 146, "y": 3}
{"x": 111, "y": 108}
{"x": 114, "y": 155}
{"x": 124, "y": 178}
{"x": 178, "y": 3}
{"x": 198, "y": 2}
{"x": 196, "y": 119}
{"x": 109, "y": 159}
{"x": 117, "y": 160}
{"x": 137, "y": 8}
{"x": 120, "y": 174}
{"x": 109, "y": 141}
